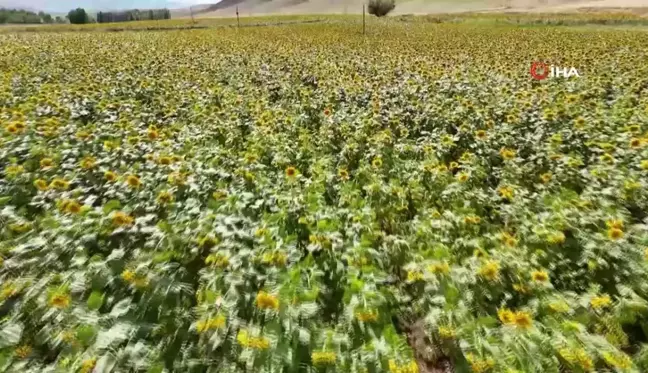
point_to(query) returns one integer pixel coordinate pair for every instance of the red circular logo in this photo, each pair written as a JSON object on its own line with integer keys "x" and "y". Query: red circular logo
{"x": 539, "y": 70}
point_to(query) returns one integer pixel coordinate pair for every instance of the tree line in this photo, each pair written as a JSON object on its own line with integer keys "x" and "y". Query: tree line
{"x": 20, "y": 16}
{"x": 133, "y": 15}
{"x": 80, "y": 16}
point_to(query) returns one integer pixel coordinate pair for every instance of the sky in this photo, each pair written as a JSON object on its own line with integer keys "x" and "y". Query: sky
{"x": 63, "y": 6}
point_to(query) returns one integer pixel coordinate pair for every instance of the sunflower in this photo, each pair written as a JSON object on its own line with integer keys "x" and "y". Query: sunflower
{"x": 523, "y": 320}
{"x": 88, "y": 163}
{"x": 507, "y": 154}
{"x": 23, "y": 351}
{"x": 540, "y": 276}
{"x": 165, "y": 160}
{"x": 40, "y": 184}
{"x": 59, "y": 183}
{"x": 506, "y": 316}
{"x": 440, "y": 268}
{"x": 267, "y": 301}
{"x": 414, "y": 276}
{"x": 600, "y": 302}
{"x": 447, "y": 332}
{"x": 509, "y": 240}
{"x": 490, "y": 270}
{"x": 164, "y": 197}
{"x": 87, "y": 366}
{"x": 46, "y": 163}
{"x": 614, "y": 234}
{"x": 546, "y": 177}
{"x": 462, "y": 177}
{"x": 128, "y": 276}
{"x": 203, "y": 326}
{"x": 472, "y": 219}
{"x": 152, "y": 133}
{"x": 506, "y": 192}
{"x": 367, "y": 316}
{"x": 110, "y": 176}
{"x": 291, "y": 172}
{"x": 323, "y": 358}
{"x": 59, "y": 300}
{"x": 133, "y": 181}
{"x": 258, "y": 343}
{"x": 14, "y": 170}
{"x": 218, "y": 260}
{"x": 12, "y": 129}
{"x": 410, "y": 367}
{"x": 121, "y": 219}
{"x": 71, "y": 206}
{"x": 618, "y": 361}
{"x": 549, "y": 115}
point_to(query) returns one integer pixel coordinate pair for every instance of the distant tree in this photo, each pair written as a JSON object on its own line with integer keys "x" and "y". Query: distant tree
{"x": 78, "y": 16}
{"x": 47, "y": 18}
{"x": 20, "y": 16}
{"x": 31, "y": 18}
{"x": 59, "y": 19}
{"x": 133, "y": 15}
{"x": 381, "y": 8}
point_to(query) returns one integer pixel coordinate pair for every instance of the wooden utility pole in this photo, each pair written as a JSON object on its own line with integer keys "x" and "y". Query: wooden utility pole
{"x": 191, "y": 11}
{"x": 238, "y": 23}
{"x": 363, "y": 20}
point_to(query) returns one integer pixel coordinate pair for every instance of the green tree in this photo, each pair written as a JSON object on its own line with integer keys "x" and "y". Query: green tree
{"x": 381, "y": 8}
{"x": 20, "y": 16}
{"x": 78, "y": 16}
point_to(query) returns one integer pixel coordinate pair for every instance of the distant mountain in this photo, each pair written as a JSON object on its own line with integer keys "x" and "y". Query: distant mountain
{"x": 221, "y": 5}
{"x": 180, "y": 10}
{"x": 63, "y": 6}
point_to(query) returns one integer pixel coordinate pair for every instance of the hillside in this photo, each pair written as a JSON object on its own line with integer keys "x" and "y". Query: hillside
{"x": 227, "y": 8}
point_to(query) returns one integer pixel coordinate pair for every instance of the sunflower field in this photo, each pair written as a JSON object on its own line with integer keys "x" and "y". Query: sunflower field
{"x": 306, "y": 198}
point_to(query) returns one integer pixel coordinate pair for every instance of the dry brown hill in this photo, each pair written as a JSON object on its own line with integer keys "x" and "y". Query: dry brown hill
{"x": 227, "y": 8}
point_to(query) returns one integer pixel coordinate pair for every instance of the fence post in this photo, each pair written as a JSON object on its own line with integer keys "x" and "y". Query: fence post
{"x": 191, "y": 11}
{"x": 238, "y": 23}
{"x": 363, "y": 20}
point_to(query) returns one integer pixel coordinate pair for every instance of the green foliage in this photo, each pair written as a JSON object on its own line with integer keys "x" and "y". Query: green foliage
{"x": 78, "y": 16}
{"x": 225, "y": 202}
{"x": 15, "y": 16}
{"x": 381, "y": 8}
{"x": 133, "y": 15}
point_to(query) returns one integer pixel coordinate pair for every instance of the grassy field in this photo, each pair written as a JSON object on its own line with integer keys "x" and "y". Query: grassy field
{"x": 306, "y": 198}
